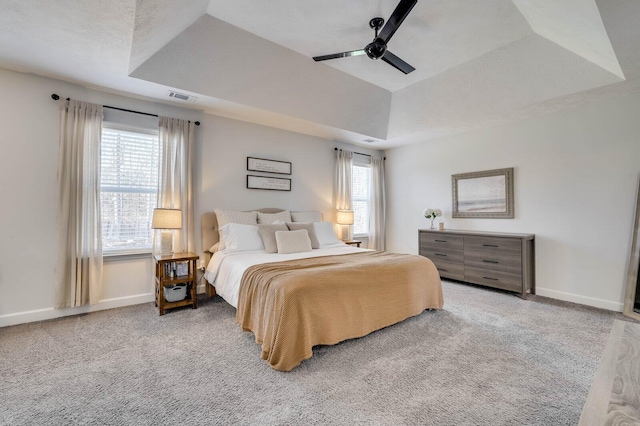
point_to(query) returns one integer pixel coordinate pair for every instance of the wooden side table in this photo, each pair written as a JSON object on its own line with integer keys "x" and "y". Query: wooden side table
{"x": 176, "y": 268}
{"x": 353, "y": 243}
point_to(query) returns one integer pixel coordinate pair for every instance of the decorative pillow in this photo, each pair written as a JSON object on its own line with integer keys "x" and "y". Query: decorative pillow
{"x": 232, "y": 216}
{"x": 293, "y": 241}
{"x": 294, "y": 226}
{"x": 238, "y": 237}
{"x": 268, "y": 235}
{"x": 268, "y": 218}
{"x": 309, "y": 216}
{"x": 214, "y": 248}
{"x": 325, "y": 233}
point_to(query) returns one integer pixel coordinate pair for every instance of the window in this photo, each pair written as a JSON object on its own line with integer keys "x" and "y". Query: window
{"x": 130, "y": 160}
{"x": 360, "y": 198}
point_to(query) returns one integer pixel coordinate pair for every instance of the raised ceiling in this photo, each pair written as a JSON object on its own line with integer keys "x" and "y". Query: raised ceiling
{"x": 477, "y": 63}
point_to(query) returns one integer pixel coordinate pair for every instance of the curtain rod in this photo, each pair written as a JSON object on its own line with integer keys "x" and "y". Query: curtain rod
{"x": 56, "y": 97}
{"x": 359, "y": 153}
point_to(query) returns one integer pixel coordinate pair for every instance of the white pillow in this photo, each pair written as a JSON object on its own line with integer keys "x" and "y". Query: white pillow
{"x": 325, "y": 233}
{"x": 293, "y": 241}
{"x": 238, "y": 237}
{"x": 232, "y": 216}
{"x": 269, "y": 218}
{"x": 310, "y": 216}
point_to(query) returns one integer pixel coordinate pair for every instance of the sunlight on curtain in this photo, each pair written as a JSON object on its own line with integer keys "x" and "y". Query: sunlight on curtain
{"x": 378, "y": 205}
{"x": 344, "y": 163}
{"x": 176, "y": 177}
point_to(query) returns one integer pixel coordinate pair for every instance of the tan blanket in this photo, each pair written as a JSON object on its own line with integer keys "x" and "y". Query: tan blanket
{"x": 293, "y": 305}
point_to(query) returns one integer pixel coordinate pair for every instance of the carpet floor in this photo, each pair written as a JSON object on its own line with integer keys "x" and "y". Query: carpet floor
{"x": 488, "y": 358}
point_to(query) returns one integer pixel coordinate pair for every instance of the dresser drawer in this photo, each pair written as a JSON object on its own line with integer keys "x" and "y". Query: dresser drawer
{"x": 431, "y": 239}
{"x": 493, "y": 244}
{"x": 495, "y": 261}
{"x": 497, "y": 279}
{"x": 443, "y": 254}
{"x": 455, "y": 271}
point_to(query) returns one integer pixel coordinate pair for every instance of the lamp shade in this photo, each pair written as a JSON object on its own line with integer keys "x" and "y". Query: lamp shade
{"x": 345, "y": 217}
{"x": 166, "y": 219}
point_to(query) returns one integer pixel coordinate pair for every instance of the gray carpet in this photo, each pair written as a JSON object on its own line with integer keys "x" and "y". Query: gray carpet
{"x": 488, "y": 358}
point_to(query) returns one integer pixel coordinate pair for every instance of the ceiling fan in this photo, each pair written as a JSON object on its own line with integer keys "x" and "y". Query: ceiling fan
{"x": 377, "y": 49}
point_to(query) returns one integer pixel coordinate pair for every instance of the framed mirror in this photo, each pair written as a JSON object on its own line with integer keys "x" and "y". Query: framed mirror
{"x": 632, "y": 295}
{"x": 487, "y": 194}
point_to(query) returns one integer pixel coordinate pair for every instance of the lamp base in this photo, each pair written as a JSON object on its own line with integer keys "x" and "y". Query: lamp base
{"x": 166, "y": 243}
{"x": 345, "y": 232}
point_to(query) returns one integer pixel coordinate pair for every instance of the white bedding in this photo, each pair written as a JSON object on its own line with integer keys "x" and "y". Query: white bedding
{"x": 225, "y": 269}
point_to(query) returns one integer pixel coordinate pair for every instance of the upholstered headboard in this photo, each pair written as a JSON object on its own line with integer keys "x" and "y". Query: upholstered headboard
{"x": 210, "y": 234}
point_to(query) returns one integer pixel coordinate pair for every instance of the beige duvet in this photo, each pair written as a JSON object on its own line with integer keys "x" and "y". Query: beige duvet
{"x": 294, "y": 305}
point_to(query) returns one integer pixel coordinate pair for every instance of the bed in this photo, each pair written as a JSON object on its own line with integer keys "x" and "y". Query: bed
{"x": 292, "y": 302}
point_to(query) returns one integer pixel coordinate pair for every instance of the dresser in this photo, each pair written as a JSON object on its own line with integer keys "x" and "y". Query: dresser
{"x": 499, "y": 260}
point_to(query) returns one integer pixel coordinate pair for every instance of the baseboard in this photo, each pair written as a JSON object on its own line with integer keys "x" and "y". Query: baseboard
{"x": 51, "y": 313}
{"x": 583, "y": 300}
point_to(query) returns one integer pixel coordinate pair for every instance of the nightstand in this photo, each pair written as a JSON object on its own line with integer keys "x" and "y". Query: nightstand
{"x": 177, "y": 268}
{"x": 353, "y": 243}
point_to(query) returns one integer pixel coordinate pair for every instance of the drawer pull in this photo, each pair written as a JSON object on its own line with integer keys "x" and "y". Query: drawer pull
{"x": 492, "y": 279}
{"x": 441, "y": 241}
{"x": 491, "y": 261}
{"x": 439, "y": 254}
{"x": 490, "y": 245}
{"x": 443, "y": 270}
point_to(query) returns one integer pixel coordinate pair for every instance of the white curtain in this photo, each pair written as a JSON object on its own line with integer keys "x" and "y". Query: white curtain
{"x": 377, "y": 218}
{"x": 79, "y": 266}
{"x": 176, "y": 177}
{"x": 344, "y": 164}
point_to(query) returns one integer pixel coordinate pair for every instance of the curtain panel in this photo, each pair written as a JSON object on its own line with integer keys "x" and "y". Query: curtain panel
{"x": 342, "y": 179}
{"x": 79, "y": 264}
{"x": 176, "y": 177}
{"x": 377, "y": 224}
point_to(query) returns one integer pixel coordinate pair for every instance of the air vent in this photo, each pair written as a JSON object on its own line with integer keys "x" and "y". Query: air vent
{"x": 182, "y": 96}
{"x": 370, "y": 141}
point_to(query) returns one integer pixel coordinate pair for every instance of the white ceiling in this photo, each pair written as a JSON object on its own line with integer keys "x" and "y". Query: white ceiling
{"x": 477, "y": 62}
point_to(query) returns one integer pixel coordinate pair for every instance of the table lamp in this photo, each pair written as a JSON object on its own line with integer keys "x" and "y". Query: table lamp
{"x": 345, "y": 218}
{"x": 167, "y": 220}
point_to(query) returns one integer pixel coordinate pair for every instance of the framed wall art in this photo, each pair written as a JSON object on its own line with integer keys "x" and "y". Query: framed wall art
{"x": 487, "y": 194}
{"x": 268, "y": 166}
{"x": 269, "y": 183}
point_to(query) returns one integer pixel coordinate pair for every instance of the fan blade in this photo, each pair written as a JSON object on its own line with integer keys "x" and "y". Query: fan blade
{"x": 402, "y": 10}
{"x": 339, "y": 55}
{"x": 397, "y": 63}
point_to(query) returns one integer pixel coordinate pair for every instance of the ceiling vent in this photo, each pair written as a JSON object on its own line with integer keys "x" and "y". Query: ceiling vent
{"x": 370, "y": 141}
{"x": 182, "y": 96}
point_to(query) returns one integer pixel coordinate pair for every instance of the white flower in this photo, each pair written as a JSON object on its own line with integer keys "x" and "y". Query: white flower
{"x": 432, "y": 213}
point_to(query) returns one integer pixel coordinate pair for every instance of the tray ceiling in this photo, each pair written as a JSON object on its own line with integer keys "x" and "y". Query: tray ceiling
{"x": 477, "y": 63}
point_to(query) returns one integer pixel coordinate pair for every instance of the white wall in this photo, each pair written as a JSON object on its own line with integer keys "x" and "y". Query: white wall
{"x": 29, "y": 122}
{"x": 30, "y": 130}
{"x": 576, "y": 177}
{"x": 223, "y": 168}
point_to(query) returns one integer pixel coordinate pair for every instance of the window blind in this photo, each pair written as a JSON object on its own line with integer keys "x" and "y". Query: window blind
{"x": 361, "y": 196}
{"x": 130, "y": 162}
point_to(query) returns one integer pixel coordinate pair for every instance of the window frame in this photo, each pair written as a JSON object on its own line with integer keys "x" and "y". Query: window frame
{"x": 366, "y": 165}
{"x": 128, "y": 252}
